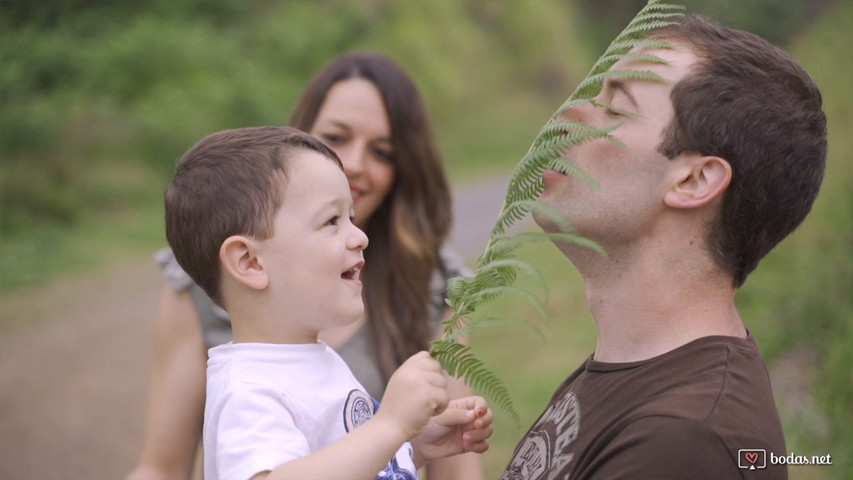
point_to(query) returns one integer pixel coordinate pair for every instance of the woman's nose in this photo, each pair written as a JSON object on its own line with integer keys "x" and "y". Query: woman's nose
{"x": 353, "y": 160}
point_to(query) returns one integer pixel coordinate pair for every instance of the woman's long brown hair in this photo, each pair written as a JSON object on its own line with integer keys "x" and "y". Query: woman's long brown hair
{"x": 407, "y": 230}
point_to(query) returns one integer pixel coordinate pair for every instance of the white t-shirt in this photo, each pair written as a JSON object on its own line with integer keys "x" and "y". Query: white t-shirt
{"x": 268, "y": 404}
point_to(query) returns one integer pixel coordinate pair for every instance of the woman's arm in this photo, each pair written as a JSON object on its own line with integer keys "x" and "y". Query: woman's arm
{"x": 175, "y": 409}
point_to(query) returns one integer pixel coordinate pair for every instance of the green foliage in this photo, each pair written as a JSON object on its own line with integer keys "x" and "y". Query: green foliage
{"x": 496, "y": 270}
{"x": 464, "y": 364}
{"x": 800, "y": 298}
{"x": 99, "y": 98}
{"x": 778, "y": 21}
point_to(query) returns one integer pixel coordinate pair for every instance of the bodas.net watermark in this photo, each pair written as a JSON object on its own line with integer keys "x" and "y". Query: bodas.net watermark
{"x": 757, "y": 458}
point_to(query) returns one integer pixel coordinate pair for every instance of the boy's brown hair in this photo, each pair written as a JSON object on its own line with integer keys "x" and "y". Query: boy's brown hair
{"x": 229, "y": 183}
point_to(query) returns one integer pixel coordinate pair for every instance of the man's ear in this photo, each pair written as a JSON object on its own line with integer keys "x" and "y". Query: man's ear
{"x": 699, "y": 180}
{"x": 240, "y": 260}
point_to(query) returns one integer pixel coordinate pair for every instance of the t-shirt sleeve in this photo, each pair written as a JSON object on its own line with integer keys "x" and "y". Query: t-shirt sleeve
{"x": 452, "y": 265}
{"x": 666, "y": 448}
{"x": 256, "y": 432}
{"x": 174, "y": 275}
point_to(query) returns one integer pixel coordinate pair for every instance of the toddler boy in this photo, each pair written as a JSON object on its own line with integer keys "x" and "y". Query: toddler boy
{"x": 261, "y": 219}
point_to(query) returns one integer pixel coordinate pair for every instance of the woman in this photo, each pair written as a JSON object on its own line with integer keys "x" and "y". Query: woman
{"x": 369, "y": 111}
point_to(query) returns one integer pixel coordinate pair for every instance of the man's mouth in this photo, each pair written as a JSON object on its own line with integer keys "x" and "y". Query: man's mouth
{"x": 557, "y": 167}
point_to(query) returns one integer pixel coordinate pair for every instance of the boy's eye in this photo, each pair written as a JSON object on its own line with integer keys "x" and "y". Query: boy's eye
{"x": 333, "y": 221}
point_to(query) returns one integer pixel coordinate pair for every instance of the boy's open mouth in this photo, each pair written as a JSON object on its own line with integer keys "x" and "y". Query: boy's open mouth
{"x": 353, "y": 273}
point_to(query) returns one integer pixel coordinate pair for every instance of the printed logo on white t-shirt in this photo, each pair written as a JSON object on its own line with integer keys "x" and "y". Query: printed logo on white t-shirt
{"x": 359, "y": 408}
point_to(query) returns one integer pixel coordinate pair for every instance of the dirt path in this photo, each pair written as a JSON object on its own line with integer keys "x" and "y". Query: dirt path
{"x": 73, "y": 374}
{"x": 74, "y": 359}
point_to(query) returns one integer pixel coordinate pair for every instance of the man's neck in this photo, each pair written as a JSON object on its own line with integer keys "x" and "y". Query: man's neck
{"x": 643, "y": 310}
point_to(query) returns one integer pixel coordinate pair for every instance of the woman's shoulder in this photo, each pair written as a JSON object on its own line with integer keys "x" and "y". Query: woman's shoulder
{"x": 174, "y": 275}
{"x": 453, "y": 264}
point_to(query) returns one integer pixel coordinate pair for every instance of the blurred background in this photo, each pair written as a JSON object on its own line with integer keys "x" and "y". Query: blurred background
{"x": 98, "y": 99}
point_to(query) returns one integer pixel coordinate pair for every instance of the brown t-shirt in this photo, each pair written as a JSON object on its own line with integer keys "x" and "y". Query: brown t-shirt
{"x": 684, "y": 414}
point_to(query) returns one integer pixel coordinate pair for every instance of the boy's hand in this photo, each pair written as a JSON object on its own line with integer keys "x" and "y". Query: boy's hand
{"x": 416, "y": 392}
{"x": 463, "y": 427}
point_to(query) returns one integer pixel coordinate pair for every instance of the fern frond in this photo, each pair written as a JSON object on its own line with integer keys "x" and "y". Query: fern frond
{"x": 497, "y": 268}
{"x": 488, "y": 294}
{"x": 517, "y": 264}
{"x": 511, "y": 243}
{"x": 625, "y": 46}
{"x": 639, "y": 57}
{"x": 592, "y": 85}
{"x": 486, "y": 322}
{"x": 458, "y": 361}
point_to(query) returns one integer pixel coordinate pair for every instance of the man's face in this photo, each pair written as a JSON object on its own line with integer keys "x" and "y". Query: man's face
{"x": 632, "y": 181}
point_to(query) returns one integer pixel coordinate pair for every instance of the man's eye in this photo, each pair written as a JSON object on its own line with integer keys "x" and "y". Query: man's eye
{"x": 612, "y": 111}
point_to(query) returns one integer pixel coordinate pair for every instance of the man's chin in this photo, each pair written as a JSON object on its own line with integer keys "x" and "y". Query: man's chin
{"x": 546, "y": 223}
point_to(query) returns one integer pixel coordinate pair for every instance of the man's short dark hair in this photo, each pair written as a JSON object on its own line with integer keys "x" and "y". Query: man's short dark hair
{"x": 751, "y": 104}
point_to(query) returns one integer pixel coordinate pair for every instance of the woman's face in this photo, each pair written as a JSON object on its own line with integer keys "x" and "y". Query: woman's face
{"x": 352, "y": 121}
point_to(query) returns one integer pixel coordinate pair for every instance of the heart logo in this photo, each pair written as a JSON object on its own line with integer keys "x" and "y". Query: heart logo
{"x": 751, "y": 457}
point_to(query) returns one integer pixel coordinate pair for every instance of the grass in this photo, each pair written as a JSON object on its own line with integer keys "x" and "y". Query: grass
{"x": 56, "y": 250}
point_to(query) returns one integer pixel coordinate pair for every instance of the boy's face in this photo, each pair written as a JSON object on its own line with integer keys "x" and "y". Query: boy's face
{"x": 315, "y": 256}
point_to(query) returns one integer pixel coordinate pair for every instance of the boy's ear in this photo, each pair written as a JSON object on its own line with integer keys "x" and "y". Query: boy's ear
{"x": 240, "y": 260}
{"x": 698, "y": 181}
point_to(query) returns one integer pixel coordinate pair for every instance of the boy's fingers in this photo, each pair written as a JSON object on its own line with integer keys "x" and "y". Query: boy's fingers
{"x": 455, "y": 416}
{"x": 479, "y": 434}
{"x": 478, "y": 448}
{"x": 437, "y": 380}
{"x": 476, "y": 442}
{"x": 472, "y": 403}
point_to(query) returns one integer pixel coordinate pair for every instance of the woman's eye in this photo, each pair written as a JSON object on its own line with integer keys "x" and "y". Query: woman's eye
{"x": 384, "y": 155}
{"x": 332, "y": 139}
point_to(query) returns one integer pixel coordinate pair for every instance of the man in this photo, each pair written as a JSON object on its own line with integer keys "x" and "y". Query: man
{"x": 723, "y": 160}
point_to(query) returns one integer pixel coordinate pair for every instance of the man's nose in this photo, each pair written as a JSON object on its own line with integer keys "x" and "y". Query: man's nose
{"x": 577, "y": 114}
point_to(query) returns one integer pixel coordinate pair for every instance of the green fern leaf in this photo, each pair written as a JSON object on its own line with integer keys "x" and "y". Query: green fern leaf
{"x": 486, "y": 322}
{"x": 458, "y": 361}
{"x": 497, "y": 267}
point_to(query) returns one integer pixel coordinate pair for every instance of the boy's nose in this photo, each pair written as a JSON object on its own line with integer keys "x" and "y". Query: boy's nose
{"x": 358, "y": 239}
